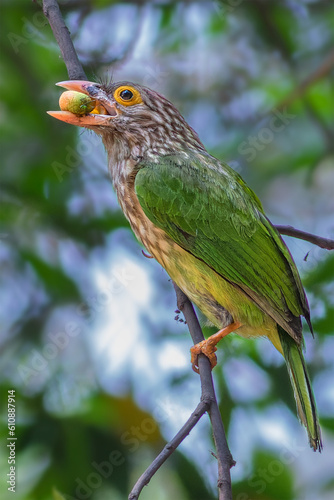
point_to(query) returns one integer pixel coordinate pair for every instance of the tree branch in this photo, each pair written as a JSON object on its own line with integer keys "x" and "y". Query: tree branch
{"x": 208, "y": 404}
{"x": 302, "y": 235}
{"x": 62, "y": 35}
{"x": 225, "y": 460}
{"x": 170, "y": 447}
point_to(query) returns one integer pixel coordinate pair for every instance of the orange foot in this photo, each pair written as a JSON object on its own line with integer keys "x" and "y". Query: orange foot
{"x": 209, "y": 346}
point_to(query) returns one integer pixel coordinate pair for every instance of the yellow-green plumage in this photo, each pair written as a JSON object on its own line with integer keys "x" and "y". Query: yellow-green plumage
{"x": 302, "y": 388}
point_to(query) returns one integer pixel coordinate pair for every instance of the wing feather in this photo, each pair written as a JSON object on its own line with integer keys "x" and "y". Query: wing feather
{"x": 205, "y": 207}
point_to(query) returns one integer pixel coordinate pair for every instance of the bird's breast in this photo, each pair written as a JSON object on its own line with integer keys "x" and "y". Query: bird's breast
{"x": 155, "y": 240}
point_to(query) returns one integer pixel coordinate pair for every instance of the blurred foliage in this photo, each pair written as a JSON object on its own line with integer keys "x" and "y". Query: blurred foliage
{"x": 86, "y": 429}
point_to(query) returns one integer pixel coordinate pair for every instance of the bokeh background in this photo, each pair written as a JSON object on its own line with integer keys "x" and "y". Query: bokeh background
{"x": 88, "y": 336}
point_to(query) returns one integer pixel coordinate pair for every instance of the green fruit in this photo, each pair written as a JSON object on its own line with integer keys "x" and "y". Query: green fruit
{"x": 76, "y": 102}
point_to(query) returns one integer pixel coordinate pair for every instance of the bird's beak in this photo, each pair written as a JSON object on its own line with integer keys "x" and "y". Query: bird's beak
{"x": 103, "y": 113}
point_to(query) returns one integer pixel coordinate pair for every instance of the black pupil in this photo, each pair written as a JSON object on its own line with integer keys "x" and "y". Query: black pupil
{"x": 126, "y": 95}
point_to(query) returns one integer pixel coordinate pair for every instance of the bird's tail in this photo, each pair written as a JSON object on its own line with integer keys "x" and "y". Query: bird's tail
{"x": 302, "y": 388}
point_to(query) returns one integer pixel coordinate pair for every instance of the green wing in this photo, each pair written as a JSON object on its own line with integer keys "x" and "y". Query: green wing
{"x": 206, "y": 208}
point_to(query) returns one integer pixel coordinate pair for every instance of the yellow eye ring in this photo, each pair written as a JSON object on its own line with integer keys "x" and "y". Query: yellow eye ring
{"x": 127, "y": 95}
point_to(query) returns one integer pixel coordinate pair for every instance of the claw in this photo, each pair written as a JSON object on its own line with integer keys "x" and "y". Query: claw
{"x": 209, "y": 346}
{"x": 203, "y": 348}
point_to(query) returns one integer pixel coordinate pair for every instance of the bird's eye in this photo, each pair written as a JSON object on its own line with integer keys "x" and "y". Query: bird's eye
{"x": 127, "y": 95}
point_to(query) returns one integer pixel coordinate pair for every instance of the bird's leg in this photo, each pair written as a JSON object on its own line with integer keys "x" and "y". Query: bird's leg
{"x": 209, "y": 346}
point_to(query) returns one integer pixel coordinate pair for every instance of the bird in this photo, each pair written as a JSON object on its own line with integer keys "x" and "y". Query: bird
{"x": 199, "y": 219}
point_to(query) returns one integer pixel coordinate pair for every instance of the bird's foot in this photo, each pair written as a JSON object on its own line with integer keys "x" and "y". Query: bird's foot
{"x": 209, "y": 346}
{"x": 203, "y": 348}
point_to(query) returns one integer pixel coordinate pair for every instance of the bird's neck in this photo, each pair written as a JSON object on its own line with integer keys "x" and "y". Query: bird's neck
{"x": 149, "y": 141}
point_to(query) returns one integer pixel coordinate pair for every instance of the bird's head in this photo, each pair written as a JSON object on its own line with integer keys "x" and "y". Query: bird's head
{"x": 130, "y": 117}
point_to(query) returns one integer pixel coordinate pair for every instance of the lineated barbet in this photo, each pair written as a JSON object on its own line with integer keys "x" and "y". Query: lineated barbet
{"x": 203, "y": 224}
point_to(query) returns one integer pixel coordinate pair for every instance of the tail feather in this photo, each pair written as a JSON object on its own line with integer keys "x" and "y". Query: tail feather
{"x": 302, "y": 388}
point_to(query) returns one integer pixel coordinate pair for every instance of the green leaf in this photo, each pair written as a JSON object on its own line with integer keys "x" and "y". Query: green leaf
{"x": 60, "y": 286}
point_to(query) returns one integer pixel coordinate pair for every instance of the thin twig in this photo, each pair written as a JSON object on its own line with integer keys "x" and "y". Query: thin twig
{"x": 62, "y": 35}
{"x": 225, "y": 459}
{"x": 208, "y": 403}
{"x": 318, "y": 74}
{"x": 303, "y": 235}
{"x": 170, "y": 447}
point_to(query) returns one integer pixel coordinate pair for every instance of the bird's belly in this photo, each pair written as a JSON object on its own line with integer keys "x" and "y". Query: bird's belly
{"x": 220, "y": 301}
